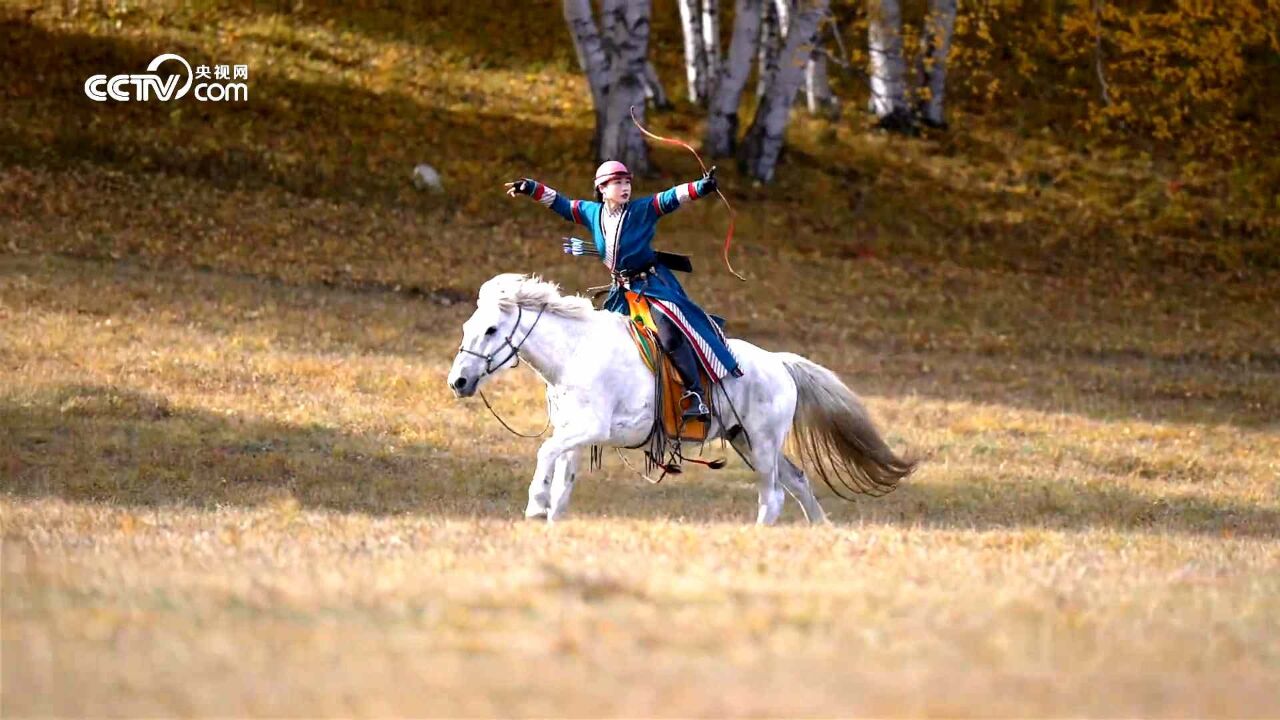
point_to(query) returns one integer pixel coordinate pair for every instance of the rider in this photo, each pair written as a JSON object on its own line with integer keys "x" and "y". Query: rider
{"x": 623, "y": 231}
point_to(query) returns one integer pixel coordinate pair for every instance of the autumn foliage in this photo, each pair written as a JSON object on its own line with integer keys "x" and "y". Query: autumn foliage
{"x": 1183, "y": 78}
{"x": 1084, "y": 135}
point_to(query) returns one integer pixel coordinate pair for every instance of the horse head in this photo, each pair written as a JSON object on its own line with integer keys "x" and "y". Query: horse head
{"x": 488, "y": 337}
{"x": 508, "y": 309}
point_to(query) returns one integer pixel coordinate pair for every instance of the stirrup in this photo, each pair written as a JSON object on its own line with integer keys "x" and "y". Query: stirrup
{"x": 698, "y": 411}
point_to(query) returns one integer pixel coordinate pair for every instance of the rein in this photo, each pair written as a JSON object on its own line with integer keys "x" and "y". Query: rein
{"x": 508, "y": 427}
{"x": 490, "y": 368}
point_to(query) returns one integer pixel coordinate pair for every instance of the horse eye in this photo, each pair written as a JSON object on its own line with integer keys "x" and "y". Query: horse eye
{"x": 491, "y": 331}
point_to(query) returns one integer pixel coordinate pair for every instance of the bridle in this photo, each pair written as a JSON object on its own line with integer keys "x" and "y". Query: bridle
{"x": 490, "y": 368}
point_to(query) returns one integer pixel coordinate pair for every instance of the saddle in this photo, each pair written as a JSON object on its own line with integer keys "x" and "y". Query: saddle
{"x": 671, "y": 403}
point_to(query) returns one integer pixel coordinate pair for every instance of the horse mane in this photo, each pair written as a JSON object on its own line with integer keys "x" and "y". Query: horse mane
{"x": 532, "y": 293}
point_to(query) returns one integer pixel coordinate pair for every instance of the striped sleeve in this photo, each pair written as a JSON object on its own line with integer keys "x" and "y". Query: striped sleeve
{"x": 669, "y": 201}
{"x": 570, "y": 210}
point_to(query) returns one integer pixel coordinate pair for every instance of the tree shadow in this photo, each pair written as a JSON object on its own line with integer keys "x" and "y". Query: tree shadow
{"x": 119, "y": 447}
{"x": 464, "y": 31}
{"x": 311, "y": 139}
{"x": 1058, "y": 507}
{"x": 111, "y": 445}
{"x": 729, "y": 496}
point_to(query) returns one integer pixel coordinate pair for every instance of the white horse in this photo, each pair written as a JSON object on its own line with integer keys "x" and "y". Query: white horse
{"x": 600, "y": 392}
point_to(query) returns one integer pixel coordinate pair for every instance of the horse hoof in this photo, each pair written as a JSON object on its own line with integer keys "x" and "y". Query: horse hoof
{"x": 535, "y": 514}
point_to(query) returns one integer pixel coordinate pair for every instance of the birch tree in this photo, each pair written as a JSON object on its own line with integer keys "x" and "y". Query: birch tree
{"x": 615, "y": 63}
{"x": 770, "y": 42}
{"x": 592, "y": 58}
{"x": 764, "y": 139}
{"x": 722, "y": 117}
{"x": 695, "y": 56}
{"x": 938, "y": 27}
{"x": 711, "y": 45}
{"x": 783, "y": 8}
{"x": 700, "y": 27}
{"x": 817, "y": 87}
{"x": 620, "y": 139}
{"x": 888, "y": 70}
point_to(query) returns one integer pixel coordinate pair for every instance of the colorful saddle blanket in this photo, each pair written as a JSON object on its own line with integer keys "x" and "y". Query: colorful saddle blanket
{"x": 670, "y": 390}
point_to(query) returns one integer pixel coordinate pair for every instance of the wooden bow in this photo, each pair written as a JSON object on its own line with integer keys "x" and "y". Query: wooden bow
{"x": 728, "y": 238}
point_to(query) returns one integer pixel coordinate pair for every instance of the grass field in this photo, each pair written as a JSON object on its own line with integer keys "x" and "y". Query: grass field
{"x": 233, "y": 482}
{"x": 231, "y": 496}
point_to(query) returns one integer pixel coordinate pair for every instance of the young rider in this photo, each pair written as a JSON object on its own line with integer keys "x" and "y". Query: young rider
{"x": 623, "y": 231}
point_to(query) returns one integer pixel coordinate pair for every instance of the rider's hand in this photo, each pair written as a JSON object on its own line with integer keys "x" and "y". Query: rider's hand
{"x": 709, "y": 180}
{"x": 524, "y": 186}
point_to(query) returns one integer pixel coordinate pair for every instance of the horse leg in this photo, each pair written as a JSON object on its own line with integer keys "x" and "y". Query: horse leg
{"x": 558, "y": 466}
{"x": 564, "y": 475}
{"x": 797, "y": 485}
{"x": 765, "y": 460}
{"x": 539, "y": 493}
{"x": 540, "y": 488}
{"x": 770, "y": 491}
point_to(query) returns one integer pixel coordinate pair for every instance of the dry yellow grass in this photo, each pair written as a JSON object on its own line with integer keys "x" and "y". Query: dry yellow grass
{"x": 273, "y": 610}
{"x": 232, "y": 481}
{"x": 229, "y": 496}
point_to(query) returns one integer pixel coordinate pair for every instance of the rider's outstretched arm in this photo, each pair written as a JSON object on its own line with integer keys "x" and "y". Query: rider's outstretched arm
{"x": 567, "y": 208}
{"x": 669, "y": 201}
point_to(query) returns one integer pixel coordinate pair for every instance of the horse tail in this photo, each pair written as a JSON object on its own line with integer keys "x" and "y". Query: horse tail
{"x": 835, "y": 437}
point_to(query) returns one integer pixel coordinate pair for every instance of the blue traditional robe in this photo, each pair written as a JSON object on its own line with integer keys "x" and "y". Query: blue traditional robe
{"x": 625, "y": 245}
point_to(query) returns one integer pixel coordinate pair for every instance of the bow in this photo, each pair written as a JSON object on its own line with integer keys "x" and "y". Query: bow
{"x": 728, "y": 238}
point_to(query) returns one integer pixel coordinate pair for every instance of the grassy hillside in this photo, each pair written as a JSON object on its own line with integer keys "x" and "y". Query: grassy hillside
{"x": 346, "y": 99}
{"x": 233, "y": 482}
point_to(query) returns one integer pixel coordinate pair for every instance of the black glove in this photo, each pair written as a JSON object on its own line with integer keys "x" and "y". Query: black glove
{"x": 709, "y": 183}
{"x": 524, "y": 186}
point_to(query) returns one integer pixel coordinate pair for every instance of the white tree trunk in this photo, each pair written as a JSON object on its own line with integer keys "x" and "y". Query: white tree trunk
{"x": 711, "y": 45}
{"x": 818, "y": 95}
{"x": 591, "y": 53}
{"x": 592, "y": 58}
{"x": 938, "y": 26}
{"x": 621, "y": 140}
{"x": 764, "y": 140}
{"x": 888, "y": 70}
{"x": 722, "y": 119}
{"x": 784, "y": 17}
{"x": 695, "y": 55}
{"x": 770, "y": 42}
